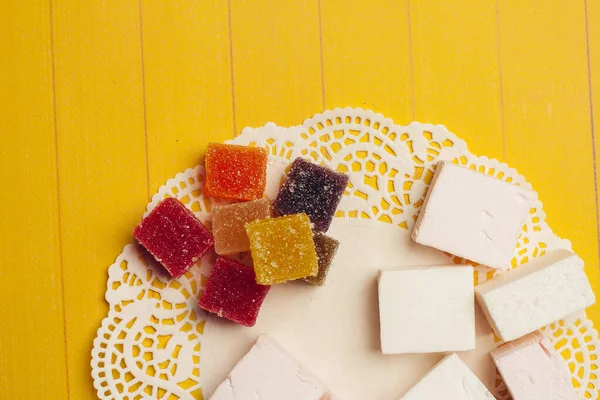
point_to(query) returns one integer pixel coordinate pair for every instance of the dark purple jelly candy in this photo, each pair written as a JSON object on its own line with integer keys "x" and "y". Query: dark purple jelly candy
{"x": 311, "y": 189}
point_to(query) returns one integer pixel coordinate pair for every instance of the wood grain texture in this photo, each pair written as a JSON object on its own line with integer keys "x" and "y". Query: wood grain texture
{"x": 366, "y": 57}
{"x": 31, "y": 317}
{"x": 547, "y": 116}
{"x": 141, "y": 86}
{"x": 101, "y": 159}
{"x": 593, "y": 48}
{"x": 456, "y": 70}
{"x": 187, "y": 76}
{"x": 276, "y": 61}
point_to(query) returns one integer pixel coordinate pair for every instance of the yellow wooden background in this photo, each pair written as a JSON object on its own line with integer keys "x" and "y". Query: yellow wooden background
{"x": 102, "y": 100}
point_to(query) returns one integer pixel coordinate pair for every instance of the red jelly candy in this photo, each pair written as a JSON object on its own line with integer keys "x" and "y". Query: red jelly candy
{"x": 174, "y": 236}
{"x": 235, "y": 172}
{"x": 232, "y": 292}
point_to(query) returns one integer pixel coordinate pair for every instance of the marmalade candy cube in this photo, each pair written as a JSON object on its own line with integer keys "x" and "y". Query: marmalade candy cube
{"x": 174, "y": 236}
{"x": 228, "y": 223}
{"x": 231, "y": 292}
{"x": 311, "y": 189}
{"x": 326, "y": 247}
{"x": 282, "y": 249}
{"x": 235, "y": 172}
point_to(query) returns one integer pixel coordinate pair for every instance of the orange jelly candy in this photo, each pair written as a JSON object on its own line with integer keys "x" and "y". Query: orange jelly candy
{"x": 235, "y": 172}
{"x": 228, "y": 223}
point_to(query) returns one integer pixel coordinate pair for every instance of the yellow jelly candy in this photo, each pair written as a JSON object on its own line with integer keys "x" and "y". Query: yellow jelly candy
{"x": 282, "y": 249}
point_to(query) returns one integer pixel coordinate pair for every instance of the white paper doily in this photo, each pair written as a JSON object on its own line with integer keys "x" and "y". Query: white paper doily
{"x": 152, "y": 344}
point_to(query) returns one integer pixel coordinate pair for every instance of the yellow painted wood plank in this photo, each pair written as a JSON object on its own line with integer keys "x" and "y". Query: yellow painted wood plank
{"x": 547, "y": 116}
{"x": 32, "y": 347}
{"x": 188, "y": 82}
{"x": 102, "y": 158}
{"x": 366, "y": 56}
{"x": 276, "y": 61}
{"x": 593, "y": 46}
{"x": 456, "y": 70}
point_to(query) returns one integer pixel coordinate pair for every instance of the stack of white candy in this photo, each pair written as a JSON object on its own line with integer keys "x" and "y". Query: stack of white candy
{"x": 432, "y": 309}
{"x": 479, "y": 218}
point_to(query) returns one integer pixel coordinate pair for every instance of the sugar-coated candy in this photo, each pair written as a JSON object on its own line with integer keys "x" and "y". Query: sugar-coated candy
{"x": 325, "y": 247}
{"x": 533, "y": 370}
{"x": 449, "y": 379}
{"x": 174, "y": 236}
{"x": 417, "y": 304}
{"x": 473, "y": 215}
{"x": 311, "y": 189}
{"x": 282, "y": 249}
{"x": 228, "y": 222}
{"x": 232, "y": 292}
{"x": 235, "y": 172}
{"x": 537, "y": 293}
{"x": 269, "y": 372}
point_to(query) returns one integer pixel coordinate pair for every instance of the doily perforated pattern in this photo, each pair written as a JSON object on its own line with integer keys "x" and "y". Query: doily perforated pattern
{"x": 149, "y": 345}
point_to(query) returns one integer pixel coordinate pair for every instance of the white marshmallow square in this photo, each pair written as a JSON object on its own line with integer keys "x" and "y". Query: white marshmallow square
{"x": 449, "y": 379}
{"x": 268, "y": 372}
{"x": 427, "y": 310}
{"x": 532, "y": 370}
{"x": 535, "y": 294}
{"x": 473, "y": 215}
